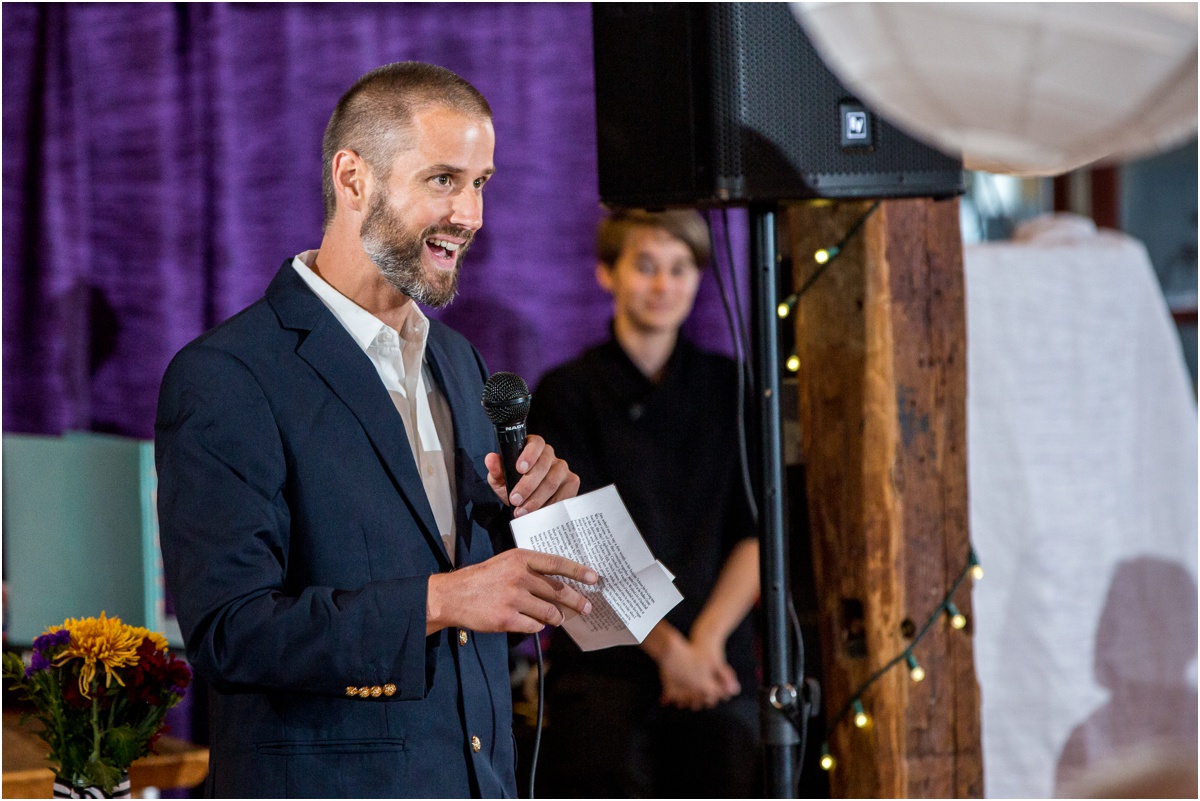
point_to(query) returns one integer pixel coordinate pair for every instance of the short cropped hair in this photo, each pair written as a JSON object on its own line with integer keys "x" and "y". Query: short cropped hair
{"x": 374, "y": 115}
{"x": 686, "y": 225}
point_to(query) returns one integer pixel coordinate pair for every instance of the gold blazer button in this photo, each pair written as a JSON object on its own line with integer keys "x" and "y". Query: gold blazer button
{"x": 476, "y": 743}
{"x": 376, "y": 691}
{"x": 462, "y": 637}
{"x": 363, "y": 692}
{"x": 351, "y": 691}
{"x": 389, "y": 690}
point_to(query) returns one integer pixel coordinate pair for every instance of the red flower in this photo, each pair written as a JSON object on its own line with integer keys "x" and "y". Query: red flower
{"x": 73, "y": 697}
{"x": 155, "y": 675}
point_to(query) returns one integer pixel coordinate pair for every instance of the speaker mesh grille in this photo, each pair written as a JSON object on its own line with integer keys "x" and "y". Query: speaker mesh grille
{"x": 701, "y": 103}
{"x": 782, "y": 105}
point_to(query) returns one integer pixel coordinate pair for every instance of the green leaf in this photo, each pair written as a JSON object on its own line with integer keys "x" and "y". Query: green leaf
{"x": 100, "y": 774}
{"x": 14, "y": 668}
{"x": 72, "y": 756}
{"x": 122, "y": 745}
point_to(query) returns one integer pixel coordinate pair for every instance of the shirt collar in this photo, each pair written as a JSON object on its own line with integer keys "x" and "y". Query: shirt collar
{"x": 363, "y": 326}
{"x": 682, "y": 350}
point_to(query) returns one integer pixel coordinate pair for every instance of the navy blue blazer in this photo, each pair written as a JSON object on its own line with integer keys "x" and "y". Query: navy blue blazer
{"x": 297, "y": 543}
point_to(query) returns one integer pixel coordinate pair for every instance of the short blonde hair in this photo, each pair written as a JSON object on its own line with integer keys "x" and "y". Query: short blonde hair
{"x": 686, "y": 225}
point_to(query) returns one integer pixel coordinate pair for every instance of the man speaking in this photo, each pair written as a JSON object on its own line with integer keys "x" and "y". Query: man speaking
{"x": 328, "y": 494}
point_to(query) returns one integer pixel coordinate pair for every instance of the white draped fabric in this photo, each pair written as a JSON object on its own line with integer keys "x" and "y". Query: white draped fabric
{"x": 1082, "y": 448}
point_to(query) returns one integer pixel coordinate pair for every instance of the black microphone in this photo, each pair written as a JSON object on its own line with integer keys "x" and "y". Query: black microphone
{"x": 506, "y": 402}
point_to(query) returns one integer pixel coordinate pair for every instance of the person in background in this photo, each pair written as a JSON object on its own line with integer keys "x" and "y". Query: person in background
{"x": 649, "y": 411}
{"x": 328, "y": 491}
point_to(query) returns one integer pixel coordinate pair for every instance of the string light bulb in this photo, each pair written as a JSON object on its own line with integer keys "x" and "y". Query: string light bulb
{"x": 793, "y": 363}
{"x": 785, "y": 307}
{"x": 825, "y": 254}
{"x": 861, "y": 718}
{"x": 915, "y": 671}
{"x": 853, "y": 708}
{"x": 976, "y": 568}
{"x": 827, "y": 760}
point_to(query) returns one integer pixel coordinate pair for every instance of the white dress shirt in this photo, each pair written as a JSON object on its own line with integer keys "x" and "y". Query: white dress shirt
{"x": 399, "y": 358}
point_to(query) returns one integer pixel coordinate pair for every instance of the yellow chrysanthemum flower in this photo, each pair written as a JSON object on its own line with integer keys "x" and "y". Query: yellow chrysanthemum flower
{"x": 105, "y": 641}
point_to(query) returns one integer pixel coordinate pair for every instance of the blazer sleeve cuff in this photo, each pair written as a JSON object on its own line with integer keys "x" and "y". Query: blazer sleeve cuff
{"x": 410, "y": 657}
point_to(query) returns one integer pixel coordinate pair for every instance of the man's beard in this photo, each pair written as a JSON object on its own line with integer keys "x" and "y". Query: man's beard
{"x": 397, "y": 254}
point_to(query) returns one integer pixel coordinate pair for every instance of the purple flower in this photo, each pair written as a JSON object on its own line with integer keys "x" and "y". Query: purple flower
{"x": 48, "y": 641}
{"x": 39, "y": 662}
{"x": 43, "y": 644}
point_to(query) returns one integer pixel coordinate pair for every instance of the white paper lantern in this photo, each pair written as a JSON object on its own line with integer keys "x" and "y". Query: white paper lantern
{"x": 1019, "y": 88}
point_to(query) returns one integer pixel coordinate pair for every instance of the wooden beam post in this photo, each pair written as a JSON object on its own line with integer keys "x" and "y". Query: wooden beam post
{"x": 881, "y": 337}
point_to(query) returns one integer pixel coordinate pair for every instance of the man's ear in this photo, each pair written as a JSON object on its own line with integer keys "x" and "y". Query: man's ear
{"x": 604, "y": 276}
{"x": 351, "y": 180}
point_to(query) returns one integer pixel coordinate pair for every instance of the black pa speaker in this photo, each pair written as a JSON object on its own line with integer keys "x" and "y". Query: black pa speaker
{"x": 702, "y": 104}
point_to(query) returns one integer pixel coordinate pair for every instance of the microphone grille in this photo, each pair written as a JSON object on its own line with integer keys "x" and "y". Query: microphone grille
{"x": 506, "y": 399}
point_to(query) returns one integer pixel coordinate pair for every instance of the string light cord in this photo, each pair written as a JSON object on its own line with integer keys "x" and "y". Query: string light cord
{"x": 946, "y": 607}
{"x": 823, "y": 257}
{"x": 826, "y": 256}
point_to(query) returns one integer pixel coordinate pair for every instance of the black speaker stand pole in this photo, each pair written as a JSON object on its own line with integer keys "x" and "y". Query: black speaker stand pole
{"x": 778, "y": 695}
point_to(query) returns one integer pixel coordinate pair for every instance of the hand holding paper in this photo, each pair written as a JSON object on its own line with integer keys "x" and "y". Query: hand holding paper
{"x": 634, "y": 592}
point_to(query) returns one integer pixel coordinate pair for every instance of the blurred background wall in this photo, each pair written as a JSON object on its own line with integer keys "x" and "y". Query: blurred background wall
{"x": 162, "y": 160}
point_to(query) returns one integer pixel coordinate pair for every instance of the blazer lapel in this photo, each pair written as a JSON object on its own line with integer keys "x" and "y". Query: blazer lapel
{"x": 332, "y": 352}
{"x": 441, "y": 366}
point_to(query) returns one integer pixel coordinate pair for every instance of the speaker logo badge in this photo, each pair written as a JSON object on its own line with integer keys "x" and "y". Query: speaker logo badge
{"x": 856, "y": 126}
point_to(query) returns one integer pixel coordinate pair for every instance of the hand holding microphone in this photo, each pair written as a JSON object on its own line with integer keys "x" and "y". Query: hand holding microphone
{"x": 525, "y": 474}
{"x": 516, "y": 590}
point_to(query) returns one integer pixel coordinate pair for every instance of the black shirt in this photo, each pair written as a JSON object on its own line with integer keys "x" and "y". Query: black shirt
{"x": 671, "y": 449}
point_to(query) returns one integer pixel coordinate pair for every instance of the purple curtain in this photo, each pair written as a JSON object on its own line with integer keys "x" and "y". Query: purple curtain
{"x": 161, "y": 160}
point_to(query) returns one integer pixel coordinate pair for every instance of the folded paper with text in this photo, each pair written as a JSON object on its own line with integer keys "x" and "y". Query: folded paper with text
{"x": 595, "y": 529}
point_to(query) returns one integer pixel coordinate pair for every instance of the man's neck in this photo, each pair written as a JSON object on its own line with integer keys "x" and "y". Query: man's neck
{"x": 346, "y": 267}
{"x": 648, "y": 350}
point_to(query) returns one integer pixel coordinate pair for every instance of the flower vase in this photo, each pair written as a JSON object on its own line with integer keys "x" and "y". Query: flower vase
{"x": 64, "y": 788}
